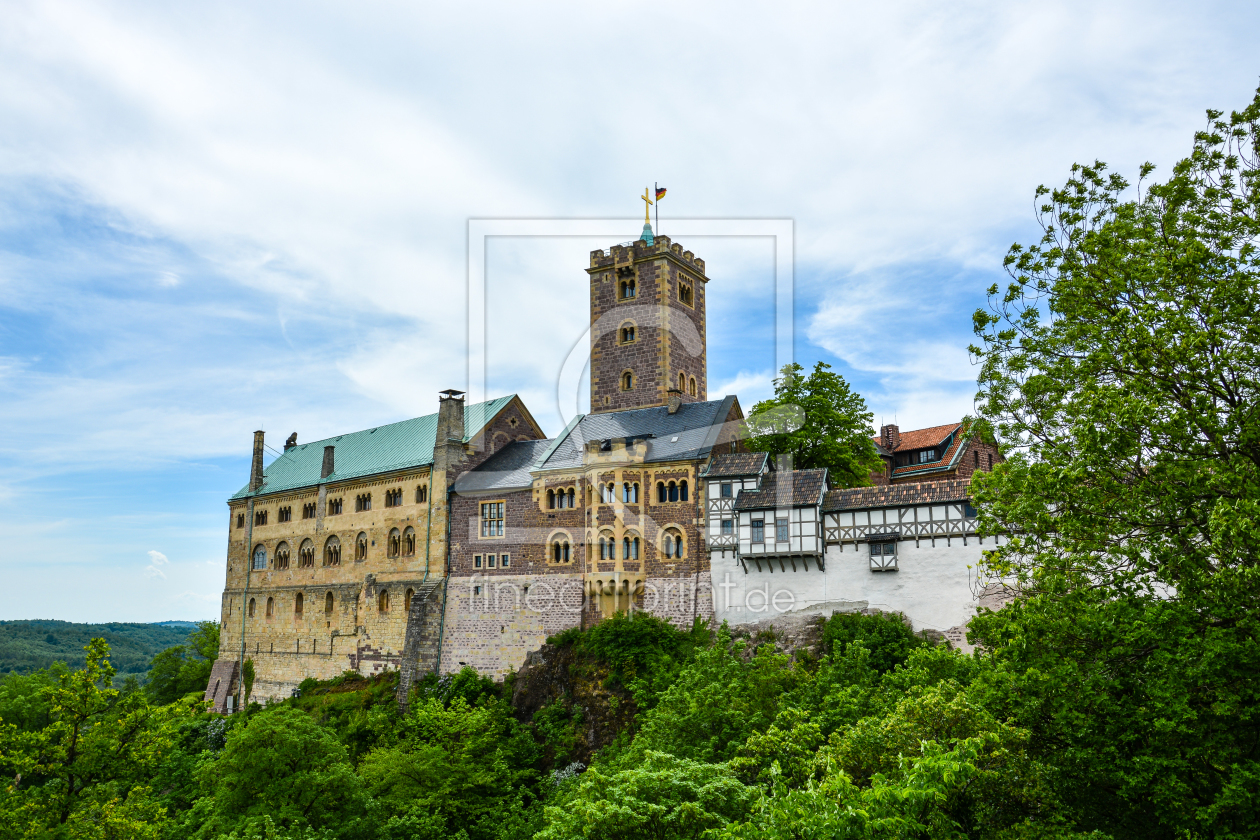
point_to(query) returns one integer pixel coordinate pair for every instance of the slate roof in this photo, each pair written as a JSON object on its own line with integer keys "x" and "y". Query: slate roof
{"x": 898, "y": 495}
{"x": 688, "y": 434}
{"x": 395, "y": 446}
{"x": 737, "y": 464}
{"x": 807, "y": 489}
{"x": 507, "y": 469}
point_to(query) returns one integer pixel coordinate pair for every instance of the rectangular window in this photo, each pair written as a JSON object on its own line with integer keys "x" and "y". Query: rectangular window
{"x": 927, "y": 455}
{"x": 728, "y": 527}
{"x": 780, "y": 530}
{"x": 490, "y": 558}
{"x": 476, "y": 561}
{"x": 758, "y": 530}
{"x": 726, "y": 490}
{"x": 492, "y": 519}
{"x": 505, "y": 560}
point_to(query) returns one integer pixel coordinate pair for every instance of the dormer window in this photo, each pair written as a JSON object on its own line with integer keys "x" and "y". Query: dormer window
{"x": 927, "y": 455}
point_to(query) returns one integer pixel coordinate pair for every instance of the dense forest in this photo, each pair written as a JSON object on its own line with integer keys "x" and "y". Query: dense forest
{"x": 1116, "y": 695}
{"x": 29, "y": 646}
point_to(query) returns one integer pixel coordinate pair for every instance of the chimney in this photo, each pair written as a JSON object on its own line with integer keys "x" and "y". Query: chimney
{"x": 890, "y": 437}
{"x": 256, "y": 468}
{"x": 675, "y": 400}
{"x": 291, "y": 442}
{"x": 450, "y": 424}
{"x": 327, "y": 469}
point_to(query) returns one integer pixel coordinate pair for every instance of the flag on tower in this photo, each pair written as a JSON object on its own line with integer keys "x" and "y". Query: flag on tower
{"x": 660, "y": 193}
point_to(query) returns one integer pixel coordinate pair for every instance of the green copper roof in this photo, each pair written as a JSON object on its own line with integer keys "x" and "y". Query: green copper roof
{"x": 396, "y": 446}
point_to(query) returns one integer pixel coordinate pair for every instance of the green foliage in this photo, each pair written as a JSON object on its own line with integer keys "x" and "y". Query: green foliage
{"x": 662, "y": 797}
{"x": 453, "y": 767}
{"x": 887, "y": 636}
{"x": 24, "y": 699}
{"x": 820, "y": 422}
{"x": 283, "y": 766}
{"x": 184, "y": 669}
{"x": 1121, "y": 368}
{"x": 30, "y": 646}
{"x": 247, "y": 679}
{"x": 86, "y": 773}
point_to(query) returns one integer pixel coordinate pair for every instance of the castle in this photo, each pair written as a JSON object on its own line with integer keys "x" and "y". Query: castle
{"x": 466, "y": 537}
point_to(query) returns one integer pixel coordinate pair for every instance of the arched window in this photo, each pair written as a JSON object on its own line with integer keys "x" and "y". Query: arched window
{"x": 672, "y": 543}
{"x": 673, "y": 492}
{"x": 630, "y": 547}
{"x": 572, "y": 497}
{"x": 297, "y": 604}
{"x": 409, "y": 541}
{"x": 332, "y": 552}
{"x": 627, "y": 333}
{"x": 682, "y": 490}
{"x": 328, "y": 604}
{"x": 691, "y": 387}
{"x": 627, "y": 381}
{"x": 382, "y": 600}
{"x": 361, "y": 546}
{"x": 407, "y": 600}
{"x": 560, "y": 549}
{"x": 306, "y": 554}
{"x": 551, "y": 499}
{"x": 661, "y": 492}
{"x": 395, "y": 543}
{"x": 281, "y": 559}
{"x": 251, "y": 607}
{"x": 260, "y": 557}
{"x": 627, "y": 289}
{"x": 630, "y": 492}
{"x": 271, "y": 607}
{"x": 607, "y": 546}
{"x": 682, "y": 383}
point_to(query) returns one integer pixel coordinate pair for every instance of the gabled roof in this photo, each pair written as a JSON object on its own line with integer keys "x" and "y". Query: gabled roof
{"x": 396, "y": 446}
{"x": 689, "y": 434}
{"x": 922, "y": 438}
{"x": 737, "y": 464}
{"x": 799, "y": 488}
{"x": 946, "y": 462}
{"x": 507, "y": 469}
{"x": 898, "y": 495}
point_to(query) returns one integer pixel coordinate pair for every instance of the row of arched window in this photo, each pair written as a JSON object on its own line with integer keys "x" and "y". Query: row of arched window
{"x": 629, "y": 492}
{"x": 398, "y": 544}
{"x": 687, "y": 386}
{"x": 362, "y": 502}
{"x": 299, "y": 600}
{"x": 559, "y": 499}
{"x": 672, "y": 491}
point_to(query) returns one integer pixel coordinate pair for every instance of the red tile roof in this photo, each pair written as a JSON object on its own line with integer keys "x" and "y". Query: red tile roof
{"x": 922, "y": 438}
{"x": 946, "y": 461}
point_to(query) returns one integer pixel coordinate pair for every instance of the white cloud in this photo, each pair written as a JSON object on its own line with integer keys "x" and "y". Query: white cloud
{"x": 158, "y": 558}
{"x": 750, "y": 386}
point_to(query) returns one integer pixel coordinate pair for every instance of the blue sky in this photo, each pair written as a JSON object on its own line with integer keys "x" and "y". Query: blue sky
{"x": 222, "y": 217}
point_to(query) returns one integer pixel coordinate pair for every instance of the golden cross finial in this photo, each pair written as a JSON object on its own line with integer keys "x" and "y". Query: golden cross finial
{"x": 647, "y": 220}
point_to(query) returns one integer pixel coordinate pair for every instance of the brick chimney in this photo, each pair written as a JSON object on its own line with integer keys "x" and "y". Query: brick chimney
{"x": 675, "y": 400}
{"x": 890, "y": 437}
{"x": 328, "y": 467}
{"x": 256, "y": 468}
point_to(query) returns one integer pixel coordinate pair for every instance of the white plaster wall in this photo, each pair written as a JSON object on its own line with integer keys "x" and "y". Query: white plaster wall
{"x": 933, "y": 585}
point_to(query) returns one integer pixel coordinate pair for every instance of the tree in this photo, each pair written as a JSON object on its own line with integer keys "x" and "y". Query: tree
{"x": 820, "y": 422}
{"x": 1121, "y": 369}
{"x": 85, "y": 774}
{"x": 186, "y": 668}
{"x": 283, "y": 766}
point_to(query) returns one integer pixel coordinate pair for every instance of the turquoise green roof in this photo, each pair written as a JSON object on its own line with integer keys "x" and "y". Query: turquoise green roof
{"x": 397, "y": 446}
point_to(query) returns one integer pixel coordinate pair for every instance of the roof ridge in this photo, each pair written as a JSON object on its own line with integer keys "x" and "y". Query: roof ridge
{"x": 399, "y": 422}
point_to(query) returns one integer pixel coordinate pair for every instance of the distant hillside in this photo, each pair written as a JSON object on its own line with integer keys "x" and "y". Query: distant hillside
{"x": 27, "y": 646}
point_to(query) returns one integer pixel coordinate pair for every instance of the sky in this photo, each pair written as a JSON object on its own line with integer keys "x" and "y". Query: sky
{"x": 220, "y": 217}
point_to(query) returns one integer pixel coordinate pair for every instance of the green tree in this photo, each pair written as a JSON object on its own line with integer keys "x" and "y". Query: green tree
{"x": 183, "y": 669}
{"x": 1121, "y": 369}
{"x": 283, "y": 766}
{"x": 86, "y": 773}
{"x": 820, "y": 422}
{"x": 662, "y": 797}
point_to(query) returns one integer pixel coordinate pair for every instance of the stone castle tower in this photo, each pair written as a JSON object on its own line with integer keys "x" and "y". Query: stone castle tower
{"x": 648, "y": 339}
